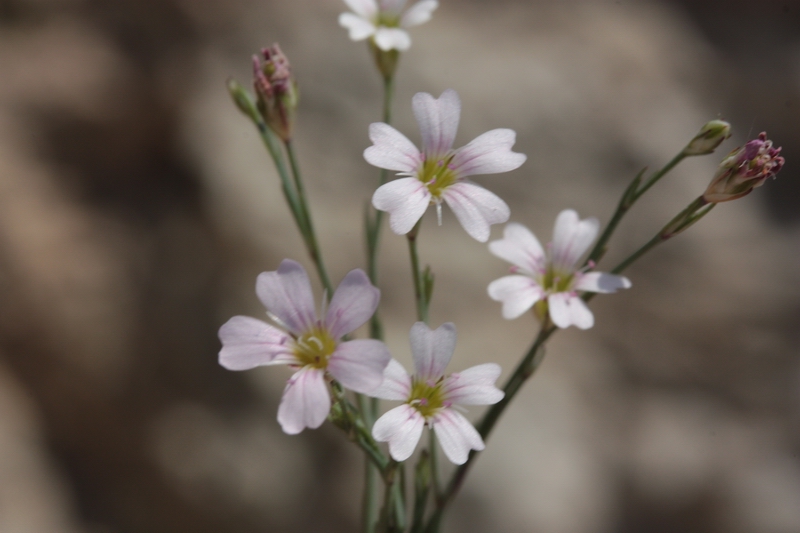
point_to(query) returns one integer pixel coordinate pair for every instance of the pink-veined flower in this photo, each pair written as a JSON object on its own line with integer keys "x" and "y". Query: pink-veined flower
{"x": 551, "y": 281}
{"x": 437, "y": 173}
{"x": 310, "y": 345}
{"x": 744, "y": 169}
{"x": 430, "y": 397}
{"x": 384, "y": 20}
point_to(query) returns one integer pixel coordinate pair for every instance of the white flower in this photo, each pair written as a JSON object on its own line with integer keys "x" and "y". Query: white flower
{"x": 312, "y": 346}
{"x": 437, "y": 173}
{"x": 383, "y": 19}
{"x": 430, "y": 397}
{"x": 551, "y": 279}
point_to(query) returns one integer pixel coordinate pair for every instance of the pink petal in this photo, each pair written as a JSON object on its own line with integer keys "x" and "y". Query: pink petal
{"x": 367, "y": 9}
{"x": 286, "y": 293}
{"x": 475, "y": 208}
{"x": 489, "y": 153}
{"x": 474, "y": 386}
{"x": 248, "y": 343}
{"x": 396, "y": 383}
{"x": 358, "y": 27}
{"x": 602, "y": 282}
{"x": 391, "y": 149}
{"x": 402, "y": 428}
{"x": 392, "y": 39}
{"x": 517, "y": 293}
{"x": 456, "y": 435}
{"x": 305, "y": 402}
{"x": 419, "y": 13}
{"x": 353, "y": 303}
{"x": 520, "y": 247}
{"x": 359, "y": 364}
{"x": 572, "y": 237}
{"x": 405, "y": 199}
{"x": 567, "y": 310}
{"x": 438, "y": 121}
{"x": 432, "y": 350}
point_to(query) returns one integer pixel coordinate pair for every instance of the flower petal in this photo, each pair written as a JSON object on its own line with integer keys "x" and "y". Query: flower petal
{"x": 402, "y": 428}
{"x": 602, "y": 282}
{"x": 392, "y": 39}
{"x": 396, "y": 383}
{"x": 359, "y": 364}
{"x": 358, "y": 27}
{"x": 474, "y": 386}
{"x": 518, "y": 294}
{"x": 367, "y": 9}
{"x": 567, "y": 310}
{"x": 456, "y": 435}
{"x": 419, "y": 13}
{"x": 392, "y": 7}
{"x": 353, "y": 303}
{"x": 391, "y": 149}
{"x": 405, "y": 199}
{"x": 571, "y": 239}
{"x": 286, "y": 293}
{"x": 305, "y": 402}
{"x": 432, "y": 349}
{"x": 476, "y": 208}
{"x": 520, "y": 247}
{"x": 489, "y": 153}
{"x": 248, "y": 343}
{"x": 438, "y": 121}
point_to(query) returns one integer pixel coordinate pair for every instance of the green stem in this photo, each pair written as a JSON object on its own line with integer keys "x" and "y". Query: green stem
{"x": 419, "y": 286}
{"x": 437, "y": 489}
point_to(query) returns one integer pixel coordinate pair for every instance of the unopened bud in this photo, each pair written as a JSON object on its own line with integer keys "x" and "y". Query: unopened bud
{"x": 744, "y": 169}
{"x": 710, "y": 136}
{"x": 276, "y": 90}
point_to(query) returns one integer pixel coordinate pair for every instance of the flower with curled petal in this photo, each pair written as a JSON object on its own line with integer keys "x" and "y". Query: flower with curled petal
{"x": 551, "y": 281}
{"x": 311, "y": 345}
{"x": 437, "y": 173}
{"x": 384, "y": 20}
{"x": 430, "y": 397}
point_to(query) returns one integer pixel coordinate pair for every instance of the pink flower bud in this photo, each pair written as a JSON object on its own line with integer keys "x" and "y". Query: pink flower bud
{"x": 276, "y": 90}
{"x": 744, "y": 169}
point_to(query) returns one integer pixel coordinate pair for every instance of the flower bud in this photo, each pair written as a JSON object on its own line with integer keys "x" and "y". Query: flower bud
{"x": 744, "y": 169}
{"x": 710, "y": 136}
{"x": 276, "y": 90}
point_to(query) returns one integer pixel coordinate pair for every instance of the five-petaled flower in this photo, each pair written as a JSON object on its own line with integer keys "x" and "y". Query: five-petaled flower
{"x": 313, "y": 346}
{"x": 383, "y": 20}
{"x": 429, "y": 397}
{"x": 437, "y": 173}
{"x": 551, "y": 281}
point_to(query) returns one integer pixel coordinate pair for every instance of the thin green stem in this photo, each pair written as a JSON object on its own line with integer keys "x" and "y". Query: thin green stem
{"x": 660, "y": 174}
{"x": 419, "y": 285}
{"x": 437, "y": 489}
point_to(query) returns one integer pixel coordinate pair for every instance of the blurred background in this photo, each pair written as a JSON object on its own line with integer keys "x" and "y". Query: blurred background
{"x": 137, "y": 208}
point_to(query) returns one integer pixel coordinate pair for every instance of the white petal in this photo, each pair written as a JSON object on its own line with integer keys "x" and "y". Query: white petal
{"x": 438, "y": 121}
{"x": 489, "y": 153}
{"x": 405, "y": 199}
{"x": 419, "y": 13}
{"x": 567, "y": 310}
{"x": 353, "y": 303}
{"x": 474, "y": 386}
{"x": 392, "y": 39}
{"x": 518, "y": 294}
{"x": 392, "y": 7}
{"x": 432, "y": 350}
{"x": 475, "y": 208}
{"x": 402, "y": 427}
{"x": 520, "y": 247}
{"x": 286, "y": 293}
{"x": 248, "y": 343}
{"x": 572, "y": 237}
{"x": 456, "y": 435}
{"x": 602, "y": 282}
{"x": 396, "y": 383}
{"x": 367, "y": 9}
{"x": 391, "y": 149}
{"x": 359, "y": 364}
{"x": 305, "y": 402}
{"x": 358, "y": 27}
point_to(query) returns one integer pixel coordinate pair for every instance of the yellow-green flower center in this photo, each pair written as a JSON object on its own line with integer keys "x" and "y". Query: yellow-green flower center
{"x": 437, "y": 176}
{"x": 426, "y": 398}
{"x": 554, "y": 281}
{"x": 314, "y": 348}
{"x": 388, "y": 20}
